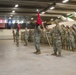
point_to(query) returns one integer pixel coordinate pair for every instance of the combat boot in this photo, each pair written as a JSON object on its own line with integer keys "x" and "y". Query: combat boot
{"x": 37, "y": 52}
{"x": 59, "y": 55}
{"x": 54, "y": 54}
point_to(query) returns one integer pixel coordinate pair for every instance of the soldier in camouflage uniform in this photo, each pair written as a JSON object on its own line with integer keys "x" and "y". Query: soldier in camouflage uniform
{"x": 26, "y": 34}
{"x": 17, "y": 37}
{"x": 14, "y": 35}
{"x": 37, "y": 38}
{"x": 72, "y": 39}
{"x": 67, "y": 38}
{"x": 74, "y": 28}
{"x": 63, "y": 40}
{"x": 57, "y": 39}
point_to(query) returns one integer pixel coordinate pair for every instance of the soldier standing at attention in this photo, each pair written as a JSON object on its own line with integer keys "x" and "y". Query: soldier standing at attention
{"x": 72, "y": 39}
{"x": 37, "y": 35}
{"x": 13, "y": 35}
{"x": 17, "y": 37}
{"x": 57, "y": 39}
{"x": 26, "y": 34}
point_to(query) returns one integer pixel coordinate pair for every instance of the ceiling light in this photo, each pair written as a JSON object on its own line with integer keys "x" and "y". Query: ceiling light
{"x": 52, "y": 19}
{"x": 43, "y": 13}
{"x": 52, "y": 7}
{"x": 37, "y": 10}
{"x": 32, "y": 18}
{"x": 28, "y": 22}
{"x": 13, "y": 11}
{"x": 16, "y": 5}
{"x": 64, "y": 1}
{"x": 59, "y": 17}
{"x": 9, "y": 17}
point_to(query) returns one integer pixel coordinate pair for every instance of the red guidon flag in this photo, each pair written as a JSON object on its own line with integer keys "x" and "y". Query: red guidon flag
{"x": 39, "y": 20}
{"x": 18, "y": 26}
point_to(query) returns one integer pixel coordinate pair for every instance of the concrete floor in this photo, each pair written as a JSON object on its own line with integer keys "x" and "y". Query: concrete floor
{"x": 21, "y": 60}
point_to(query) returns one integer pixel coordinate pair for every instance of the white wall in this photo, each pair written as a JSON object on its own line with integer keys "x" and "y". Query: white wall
{"x": 7, "y": 33}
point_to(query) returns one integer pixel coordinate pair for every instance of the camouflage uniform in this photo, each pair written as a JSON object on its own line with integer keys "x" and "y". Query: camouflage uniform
{"x": 57, "y": 40}
{"x": 74, "y": 28}
{"x": 30, "y": 38}
{"x": 17, "y": 37}
{"x": 67, "y": 40}
{"x": 63, "y": 38}
{"x": 26, "y": 34}
{"x": 72, "y": 39}
{"x": 13, "y": 35}
{"x": 37, "y": 39}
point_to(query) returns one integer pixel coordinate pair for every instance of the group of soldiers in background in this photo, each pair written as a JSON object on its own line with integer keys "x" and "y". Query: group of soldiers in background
{"x": 60, "y": 37}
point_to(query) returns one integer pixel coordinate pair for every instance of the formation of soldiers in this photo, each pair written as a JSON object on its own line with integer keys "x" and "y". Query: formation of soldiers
{"x": 60, "y": 37}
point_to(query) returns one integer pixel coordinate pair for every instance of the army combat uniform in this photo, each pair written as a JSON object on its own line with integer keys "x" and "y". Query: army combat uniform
{"x": 14, "y": 35}
{"x": 17, "y": 37}
{"x": 72, "y": 39}
{"x": 37, "y": 39}
{"x": 26, "y": 34}
{"x": 57, "y": 40}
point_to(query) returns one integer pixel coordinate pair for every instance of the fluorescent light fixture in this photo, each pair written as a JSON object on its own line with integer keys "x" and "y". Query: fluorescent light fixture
{"x": 52, "y": 19}
{"x": 37, "y": 10}
{"x": 9, "y": 17}
{"x": 58, "y": 16}
{"x": 64, "y": 1}
{"x": 13, "y": 11}
{"x": 28, "y": 22}
{"x": 52, "y": 7}
{"x": 42, "y": 13}
{"x": 16, "y": 5}
{"x": 32, "y": 18}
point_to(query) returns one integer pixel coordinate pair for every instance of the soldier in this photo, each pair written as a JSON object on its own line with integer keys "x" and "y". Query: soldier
{"x": 57, "y": 39}
{"x": 17, "y": 37}
{"x": 67, "y": 38}
{"x": 63, "y": 36}
{"x": 74, "y": 28}
{"x": 72, "y": 39}
{"x": 26, "y": 34}
{"x": 37, "y": 38}
{"x": 31, "y": 33}
{"x": 13, "y": 35}
{"x": 37, "y": 31}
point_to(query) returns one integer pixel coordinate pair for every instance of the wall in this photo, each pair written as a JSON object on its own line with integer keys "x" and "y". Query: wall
{"x": 7, "y": 33}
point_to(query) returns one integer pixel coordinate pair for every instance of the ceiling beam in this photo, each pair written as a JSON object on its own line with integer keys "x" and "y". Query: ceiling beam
{"x": 29, "y": 14}
{"x": 19, "y": 9}
{"x": 59, "y": 11}
{"x": 65, "y": 6}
